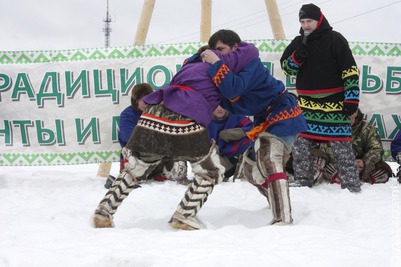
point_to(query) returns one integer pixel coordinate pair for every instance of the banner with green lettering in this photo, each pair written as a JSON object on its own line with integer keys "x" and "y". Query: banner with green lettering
{"x": 62, "y": 107}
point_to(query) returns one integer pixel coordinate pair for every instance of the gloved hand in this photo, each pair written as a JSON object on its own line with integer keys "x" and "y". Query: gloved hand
{"x": 301, "y": 53}
{"x": 318, "y": 166}
{"x": 331, "y": 174}
{"x": 232, "y": 134}
{"x": 226, "y": 163}
{"x": 349, "y": 108}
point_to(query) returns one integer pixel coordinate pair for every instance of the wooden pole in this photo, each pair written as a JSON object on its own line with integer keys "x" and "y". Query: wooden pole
{"x": 275, "y": 19}
{"x": 144, "y": 22}
{"x": 104, "y": 169}
{"x": 140, "y": 38}
{"x": 206, "y": 20}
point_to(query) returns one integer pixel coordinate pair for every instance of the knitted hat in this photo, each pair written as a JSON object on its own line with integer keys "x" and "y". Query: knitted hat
{"x": 309, "y": 11}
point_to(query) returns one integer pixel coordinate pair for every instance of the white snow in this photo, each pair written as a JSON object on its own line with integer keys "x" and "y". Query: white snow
{"x": 45, "y": 220}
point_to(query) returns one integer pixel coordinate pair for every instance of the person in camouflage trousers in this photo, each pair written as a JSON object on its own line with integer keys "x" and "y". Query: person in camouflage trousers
{"x": 368, "y": 151}
{"x": 396, "y": 152}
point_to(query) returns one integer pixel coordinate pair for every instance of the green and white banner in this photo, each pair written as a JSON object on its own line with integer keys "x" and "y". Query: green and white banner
{"x": 62, "y": 107}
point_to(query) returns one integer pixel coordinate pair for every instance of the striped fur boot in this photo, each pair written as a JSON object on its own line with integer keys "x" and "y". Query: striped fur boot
{"x": 208, "y": 172}
{"x": 272, "y": 153}
{"x": 279, "y": 198}
{"x": 135, "y": 170}
{"x": 252, "y": 174}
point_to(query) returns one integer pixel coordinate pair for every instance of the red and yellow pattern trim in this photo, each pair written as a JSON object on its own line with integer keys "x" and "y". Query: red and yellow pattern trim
{"x": 282, "y": 115}
{"x": 220, "y": 74}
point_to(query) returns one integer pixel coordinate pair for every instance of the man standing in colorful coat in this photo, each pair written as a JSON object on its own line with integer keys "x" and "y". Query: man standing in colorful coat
{"x": 328, "y": 92}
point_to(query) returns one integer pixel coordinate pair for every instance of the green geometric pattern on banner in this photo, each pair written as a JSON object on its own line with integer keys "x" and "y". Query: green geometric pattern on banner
{"x": 395, "y": 51}
{"x": 190, "y": 50}
{"x": 85, "y": 155}
{"x": 105, "y": 154}
{"x": 376, "y": 49}
{"x": 98, "y": 55}
{"x": 24, "y": 59}
{"x": 47, "y": 159}
{"x": 134, "y": 53}
{"x": 180, "y": 49}
{"x": 59, "y": 58}
{"x": 78, "y": 56}
{"x": 32, "y": 157}
{"x": 41, "y": 59}
{"x": 4, "y": 59}
{"x": 153, "y": 52}
{"x": 265, "y": 48}
{"x": 9, "y": 158}
{"x": 68, "y": 157}
{"x": 116, "y": 54}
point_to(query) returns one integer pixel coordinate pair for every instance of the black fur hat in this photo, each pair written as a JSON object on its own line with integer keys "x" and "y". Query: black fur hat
{"x": 310, "y": 11}
{"x": 139, "y": 91}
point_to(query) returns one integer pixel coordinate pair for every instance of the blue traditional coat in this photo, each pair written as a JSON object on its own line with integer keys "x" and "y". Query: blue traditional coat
{"x": 233, "y": 148}
{"x": 254, "y": 92}
{"x": 396, "y": 145}
{"x": 128, "y": 120}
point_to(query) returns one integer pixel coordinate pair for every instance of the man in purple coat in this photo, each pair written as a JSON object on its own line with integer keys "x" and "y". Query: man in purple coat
{"x": 129, "y": 117}
{"x": 173, "y": 127}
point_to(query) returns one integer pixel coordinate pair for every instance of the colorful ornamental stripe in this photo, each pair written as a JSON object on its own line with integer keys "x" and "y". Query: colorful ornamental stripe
{"x": 165, "y": 126}
{"x": 325, "y": 120}
{"x": 280, "y": 116}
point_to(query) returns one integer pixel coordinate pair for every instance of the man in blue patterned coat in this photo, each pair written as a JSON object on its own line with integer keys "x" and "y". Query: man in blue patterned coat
{"x": 277, "y": 118}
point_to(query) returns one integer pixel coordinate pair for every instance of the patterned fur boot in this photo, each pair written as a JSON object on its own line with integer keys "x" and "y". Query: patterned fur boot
{"x": 208, "y": 172}
{"x": 279, "y": 196}
{"x": 272, "y": 154}
{"x": 319, "y": 163}
{"x": 135, "y": 171}
{"x": 251, "y": 173}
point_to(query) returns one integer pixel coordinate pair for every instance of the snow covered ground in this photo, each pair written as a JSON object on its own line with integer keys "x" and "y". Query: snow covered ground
{"x": 45, "y": 217}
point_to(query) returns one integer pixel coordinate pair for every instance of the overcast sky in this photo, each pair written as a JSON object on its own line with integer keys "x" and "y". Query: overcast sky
{"x": 61, "y": 24}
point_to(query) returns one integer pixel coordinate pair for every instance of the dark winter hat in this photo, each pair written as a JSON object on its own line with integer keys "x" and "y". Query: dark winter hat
{"x": 310, "y": 11}
{"x": 138, "y": 92}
